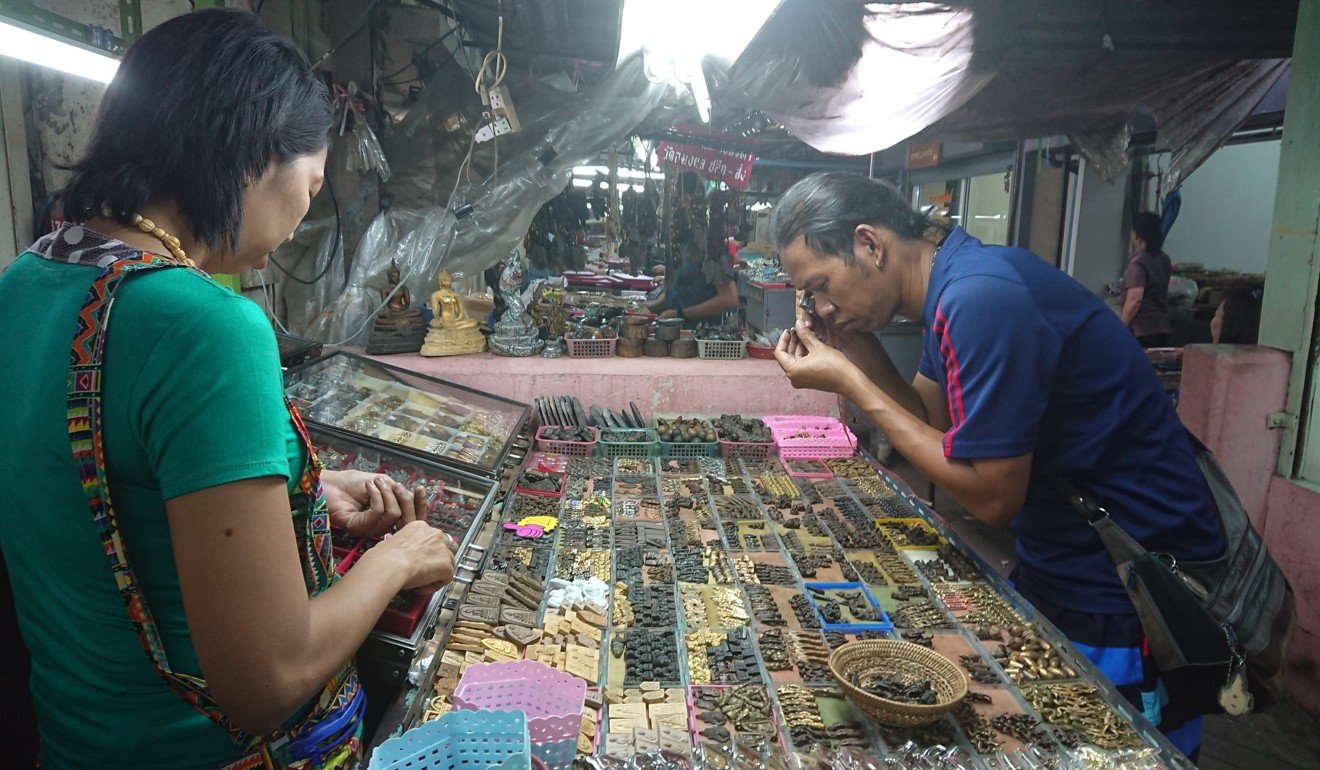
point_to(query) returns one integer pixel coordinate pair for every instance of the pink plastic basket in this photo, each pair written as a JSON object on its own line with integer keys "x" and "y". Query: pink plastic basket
{"x": 552, "y": 700}
{"x": 591, "y": 348}
{"x": 567, "y": 448}
{"x": 828, "y": 438}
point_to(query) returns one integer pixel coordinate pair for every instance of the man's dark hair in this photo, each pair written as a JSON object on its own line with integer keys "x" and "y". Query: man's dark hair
{"x": 1150, "y": 229}
{"x": 201, "y": 104}
{"x": 826, "y": 208}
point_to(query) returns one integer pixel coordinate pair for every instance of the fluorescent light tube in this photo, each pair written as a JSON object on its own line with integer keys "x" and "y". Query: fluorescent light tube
{"x": 19, "y": 41}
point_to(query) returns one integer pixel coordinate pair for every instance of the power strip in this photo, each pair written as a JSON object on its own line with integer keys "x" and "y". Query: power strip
{"x": 503, "y": 119}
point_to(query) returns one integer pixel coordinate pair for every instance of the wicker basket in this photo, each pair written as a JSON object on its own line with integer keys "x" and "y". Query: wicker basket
{"x": 905, "y": 658}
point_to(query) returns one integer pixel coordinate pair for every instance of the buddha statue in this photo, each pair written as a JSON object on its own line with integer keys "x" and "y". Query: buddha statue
{"x": 398, "y": 327}
{"x": 447, "y": 307}
{"x": 452, "y": 333}
{"x": 398, "y": 310}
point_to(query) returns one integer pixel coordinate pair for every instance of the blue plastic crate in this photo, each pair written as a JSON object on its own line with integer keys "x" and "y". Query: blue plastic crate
{"x": 884, "y": 624}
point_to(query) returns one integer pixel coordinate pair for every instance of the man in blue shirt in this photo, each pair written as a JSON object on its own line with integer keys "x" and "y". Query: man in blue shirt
{"x": 1024, "y": 375}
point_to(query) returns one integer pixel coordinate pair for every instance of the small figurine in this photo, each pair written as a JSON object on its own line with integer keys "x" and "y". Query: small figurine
{"x": 514, "y": 334}
{"x": 398, "y": 327}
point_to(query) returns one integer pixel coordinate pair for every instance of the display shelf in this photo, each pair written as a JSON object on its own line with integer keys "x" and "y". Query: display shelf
{"x": 862, "y": 531}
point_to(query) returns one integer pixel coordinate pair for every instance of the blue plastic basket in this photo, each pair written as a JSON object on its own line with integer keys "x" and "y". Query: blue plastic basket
{"x": 459, "y": 740}
{"x": 884, "y": 624}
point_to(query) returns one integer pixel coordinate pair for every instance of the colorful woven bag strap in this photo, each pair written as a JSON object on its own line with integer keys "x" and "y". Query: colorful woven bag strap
{"x": 85, "y": 434}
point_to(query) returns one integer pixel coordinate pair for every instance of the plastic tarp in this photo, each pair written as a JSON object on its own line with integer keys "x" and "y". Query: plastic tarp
{"x": 914, "y": 70}
{"x": 924, "y": 73}
{"x": 484, "y": 220}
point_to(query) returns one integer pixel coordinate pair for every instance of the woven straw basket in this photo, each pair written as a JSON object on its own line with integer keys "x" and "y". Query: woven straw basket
{"x": 892, "y": 657}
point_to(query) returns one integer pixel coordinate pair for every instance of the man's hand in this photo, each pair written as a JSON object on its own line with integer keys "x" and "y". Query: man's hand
{"x": 827, "y": 331}
{"x": 369, "y": 504}
{"x": 810, "y": 363}
{"x": 671, "y": 313}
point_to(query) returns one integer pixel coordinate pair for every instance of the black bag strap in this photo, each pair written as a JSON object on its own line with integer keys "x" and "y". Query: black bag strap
{"x": 1121, "y": 546}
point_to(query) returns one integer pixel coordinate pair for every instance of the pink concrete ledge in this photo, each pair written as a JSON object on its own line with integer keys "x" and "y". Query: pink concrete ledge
{"x": 659, "y": 385}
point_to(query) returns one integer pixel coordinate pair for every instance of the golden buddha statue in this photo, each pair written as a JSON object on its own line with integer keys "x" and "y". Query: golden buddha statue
{"x": 451, "y": 332}
{"x": 447, "y": 307}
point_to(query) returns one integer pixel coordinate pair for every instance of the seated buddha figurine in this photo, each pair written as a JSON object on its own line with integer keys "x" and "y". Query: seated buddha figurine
{"x": 398, "y": 310}
{"x": 452, "y": 332}
{"x": 447, "y": 307}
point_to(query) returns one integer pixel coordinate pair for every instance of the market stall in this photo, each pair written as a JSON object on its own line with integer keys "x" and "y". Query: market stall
{"x": 702, "y": 596}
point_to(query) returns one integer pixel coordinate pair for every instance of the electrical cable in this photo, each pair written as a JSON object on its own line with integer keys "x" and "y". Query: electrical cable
{"x": 417, "y": 57}
{"x": 334, "y": 249}
{"x": 363, "y": 24}
{"x": 494, "y": 62}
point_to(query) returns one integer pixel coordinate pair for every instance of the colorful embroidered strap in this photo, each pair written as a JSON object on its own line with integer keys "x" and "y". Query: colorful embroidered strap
{"x": 84, "y": 384}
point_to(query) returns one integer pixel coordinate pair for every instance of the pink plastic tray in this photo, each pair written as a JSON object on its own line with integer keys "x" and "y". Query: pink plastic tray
{"x": 552, "y": 700}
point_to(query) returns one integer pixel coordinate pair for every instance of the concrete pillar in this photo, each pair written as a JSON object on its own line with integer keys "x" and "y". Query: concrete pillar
{"x": 1228, "y": 394}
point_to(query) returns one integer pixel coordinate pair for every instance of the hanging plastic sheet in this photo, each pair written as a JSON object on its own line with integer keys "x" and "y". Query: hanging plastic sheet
{"x": 991, "y": 71}
{"x": 487, "y": 219}
{"x": 914, "y": 69}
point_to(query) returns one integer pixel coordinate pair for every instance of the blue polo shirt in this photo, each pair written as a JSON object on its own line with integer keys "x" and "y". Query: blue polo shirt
{"x": 1032, "y": 362}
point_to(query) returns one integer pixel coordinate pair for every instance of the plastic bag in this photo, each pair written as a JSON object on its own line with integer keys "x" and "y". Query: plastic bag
{"x": 365, "y": 154}
{"x": 1182, "y": 291}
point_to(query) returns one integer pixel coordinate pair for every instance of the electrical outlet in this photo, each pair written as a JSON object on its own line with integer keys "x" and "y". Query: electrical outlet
{"x": 501, "y": 126}
{"x": 502, "y": 105}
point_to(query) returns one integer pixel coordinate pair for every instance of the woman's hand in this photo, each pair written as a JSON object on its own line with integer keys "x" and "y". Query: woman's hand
{"x": 425, "y": 553}
{"x": 370, "y": 504}
{"x": 810, "y": 363}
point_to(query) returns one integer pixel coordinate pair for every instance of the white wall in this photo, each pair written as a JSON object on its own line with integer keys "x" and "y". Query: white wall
{"x": 1227, "y": 209}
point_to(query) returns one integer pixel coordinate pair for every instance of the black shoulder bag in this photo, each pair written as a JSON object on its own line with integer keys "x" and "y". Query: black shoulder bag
{"x": 1219, "y": 629}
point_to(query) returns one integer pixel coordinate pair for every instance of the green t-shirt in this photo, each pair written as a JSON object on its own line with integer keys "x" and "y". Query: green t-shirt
{"x": 193, "y": 398}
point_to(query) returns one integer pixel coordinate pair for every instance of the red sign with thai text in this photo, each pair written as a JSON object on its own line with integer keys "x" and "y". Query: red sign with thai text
{"x": 719, "y": 162}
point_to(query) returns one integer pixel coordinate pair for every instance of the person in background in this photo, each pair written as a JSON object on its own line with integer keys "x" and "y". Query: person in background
{"x": 196, "y": 621}
{"x": 702, "y": 289}
{"x": 1145, "y": 285}
{"x": 1237, "y": 319}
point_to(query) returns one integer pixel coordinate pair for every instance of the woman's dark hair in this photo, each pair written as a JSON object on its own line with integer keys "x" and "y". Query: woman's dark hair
{"x": 201, "y": 104}
{"x": 1150, "y": 229}
{"x": 827, "y": 206}
{"x": 1241, "y": 321}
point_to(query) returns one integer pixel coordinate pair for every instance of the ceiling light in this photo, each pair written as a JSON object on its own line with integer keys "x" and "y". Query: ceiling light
{"x": 19, "y": 41}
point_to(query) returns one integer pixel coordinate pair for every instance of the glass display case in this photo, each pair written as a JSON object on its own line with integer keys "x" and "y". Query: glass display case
{"x": 456, "y": 502}
{"x": 406, "y": 412}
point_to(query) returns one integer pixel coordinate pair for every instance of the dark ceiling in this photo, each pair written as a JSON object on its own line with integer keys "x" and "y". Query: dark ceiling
{"x": 547, "y": 33}
{"x": 1036, "y": 40}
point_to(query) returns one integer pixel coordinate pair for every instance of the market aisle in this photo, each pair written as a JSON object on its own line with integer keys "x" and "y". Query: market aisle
{"x": 1286, "y": 737}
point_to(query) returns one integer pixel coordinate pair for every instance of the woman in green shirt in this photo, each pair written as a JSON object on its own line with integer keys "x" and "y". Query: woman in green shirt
{"x": 208, "y": 148}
